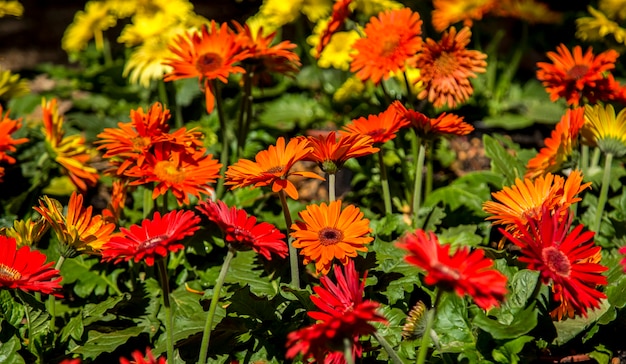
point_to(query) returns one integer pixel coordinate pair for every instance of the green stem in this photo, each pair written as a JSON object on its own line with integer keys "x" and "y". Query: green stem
{"x": 169, "y": 322}
{"x": 430, "y": 321}
{"x": 583, "y": 163}
{"x": 245, "y": 112}
{"x": 293, "y": 253}
{"x": 162, "y": 89}
{"x": 384, "y": 182}
{"x": 409, "y": 92}
{"x": 595, "y": 158}
{"x": 331, "y": 187}
{"x": 148, "y": 202}
{"x": 392, "y": 353}
{"x": 208, "y": 326}
{"x": 388, "y": 98}
{"x": 604, "y": 191}
{"x": 51, "y": 299}
{"x": 429, "y": 171}
{"x": 347, "y": 350}
{"x": 225, "y": 140}
{"x": 417, "y": 189}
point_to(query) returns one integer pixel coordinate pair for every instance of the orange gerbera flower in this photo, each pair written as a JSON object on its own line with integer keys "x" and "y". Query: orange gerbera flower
{"x": 208, "y": 55}
{"x": 527, "y": 10}
{"x": 381, "y": 128}
{"x": 391, "y": 40}
{"x": 447, "y": 66}
{"x": 575, "y": 76}
{"x": 448, "y": 12}
{"x": 179, "y": 172}
{"x": 78, "y": 230}
{"x": 425, "y": 127}
{"x": 326, "y": 232}
{"x": 115, "y": 207}
{"x": 341, "y": 10}
{"x": 8, "y": 126}
{"x": 70, "y": 152}
{"x": 331, "y": 152}
{"x": 559, "y": 146}
{"x": 272, "y": 167}
{"x": 526, "y": 199}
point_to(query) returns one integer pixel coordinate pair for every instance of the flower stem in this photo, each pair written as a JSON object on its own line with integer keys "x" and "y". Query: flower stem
{"x": 225, "y": 140}
{"x": 347, "y": 350}
{"x": 417, "y": 189}
{"x": 206, "y": 335}
{"x": 51, "y": 299}
{"x": 384, "y": 182}
{"x": 148, "y": 202}
{"x": 245, "y": 112}
{"x": 583, "y": 163}
{"x": 169, "y": 322}
{"x": 430, "y": 321}
{"x": 293, "y": 253}
{"x": 392, "y": 353}
{"x": 331, "y": 187}
{"x": 604, "y": 191}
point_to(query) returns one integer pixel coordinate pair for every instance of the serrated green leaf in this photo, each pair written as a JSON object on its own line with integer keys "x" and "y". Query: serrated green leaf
{"x": 9, "y": 351}
{"x": 507, "y": 353}
{"x": 79, "y": 270}
{"x": 289, "y": 111}
{"x": 568, "y": 329}
{"x": 508, "y": 121}
{"x": 616, "y": 292}
{"x": 11, "y": 310}
{"x": 244, "y": 270}
{"x": 451, "y": 325}
{"x": 501, "y": 161}
{"x": 246, "y": 303}
{"x": 459, "y": 236}
{"x": 100, "y": 342}
{"x": 513, "y": 326}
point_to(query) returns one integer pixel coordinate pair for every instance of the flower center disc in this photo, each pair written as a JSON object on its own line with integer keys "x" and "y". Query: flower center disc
{"x": 330, "y": 236}
{"x": 168, "y": 172}
{"x": 274, "y": 170}
{"x": 578, "y": 71}
{"x": 152, "y": 242}
{"x": 557, "y": 261}
{"x": 209, "y": 62}
{"x": 389, "y": 45}
{"x": 9, "y": 273}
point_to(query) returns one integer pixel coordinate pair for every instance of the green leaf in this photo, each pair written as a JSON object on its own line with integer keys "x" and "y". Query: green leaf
{"x": 601, "y": 354}
{"x": 90, "y": 313}
{"x": 9, "y": 351}
{"x": 509, "y": 328}
{"x": 11, "y": 310}
{"x": 80, "y": 270}
{"x": 470, "y": 191}
{"x": 243, "y": 270}
{"x": 105, "y": 342}
{"x": 507, "y": 353}
{"x": 246, "y": 303}
{"x": 451, "y": 325}
{"x": 289, "y": 111}
{"x": 501, "y": 161}
{"x": 508, "y": 121}
{"x": 568, "y": 329}
{"x": 459, "y": 236}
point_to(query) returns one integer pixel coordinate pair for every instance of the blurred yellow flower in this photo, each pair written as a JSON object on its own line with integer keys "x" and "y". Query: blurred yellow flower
{"x": 13, "y": 8}
{"x": 26, "y": 232}
{"x": 413, "y": 77}
{"x": 373, "y": 7}
{"x": 614, "y": 9}
{"x": 145, "y": 63}
{"x": 337, "y": 54}
{"x": 598, "y": 26}
{"x": 87, "y": 25}
{"x": 11, "y": 85}
{"x": 351, "y": 88}
{"x": 605, "y": 129}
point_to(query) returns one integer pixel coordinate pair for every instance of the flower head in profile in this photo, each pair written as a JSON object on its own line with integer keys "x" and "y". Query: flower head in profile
{"x": 343, "y": 314}
{"x": 381, "y": 127}
{"x": 78, "y": 230}
{"x": 70, "y": 152}
{"x": 390, "y": 42}
{"x": 209, "y": 55}
{"x": 243, "y": 232}
{"x": 599, "y": 26}
{"x": 138, "y": 358}
{"x": 449, "y": 12}
{"x": 563, "y": 258}
{"x": 341, "y": 11}
{"x": 330, "y": 151}
{"x": 604, "y": 129}
{"x": 115, "y": 207}
{"x": 87, "y": 25}
{"x": 575, "y": 76}
{"x": 327, "y": 232}
{"x": 425, "y": 127}
{"x": 26, "y": 269}
{"x": 11, "y": 85}
{"x": 559, "y": 146}
{"x": 152, "y": 239}
{"x": 529, "y": 11}
{"x": 272, "y": 167}
{"x": 447, "y": 66}
{"x": 464, "y": 271}
{"x": 26, "y": 232}
{"x": 527, "y": 198}
{"x": 8, "y": 126}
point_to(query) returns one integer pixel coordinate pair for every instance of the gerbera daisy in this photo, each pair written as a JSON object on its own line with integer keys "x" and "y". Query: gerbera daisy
{"x": 70, "y": 152}
{"x": 13, "y": 8}
{"x": 390, "y": 41}
{"x": 447, "y": 66}
{"x": 138, "y": 358}
{"x": 272, "y": 167}
{"x": 115, "y": 207}
{"x": 11, "y": 85}
{"x": 327, "y": 232}
{"x": 330, "y": 152}
{"x": 208, "y": 55}
{"x": 381, "y": 128}
{"x": 573, "y": 76}
{"x": 425, "y": 127}
{"x": 448, "y": 12}
{"x": 527, "y": 10}
{"x": 341, "y": 11}
{"x": 598, "y": 26}
{"x": 78, "y": 230}
{"x": 152, "y": 239}
{"x": 88, "y": 24}
{"x": 562, "y": 258}
{"x": 25, "y": 269}
{"x": 26, "y": 232}
{"x": 559, "y": 146}
{"x": 8, "y": 126}
{"x": 526, "y": 199}
{"x": 338, "y": 52}
{"x": 243, "y": 232}
{"x": 605, "y": 129}
{"x": 613, "y": 8}
{"x": 343, "y": 315}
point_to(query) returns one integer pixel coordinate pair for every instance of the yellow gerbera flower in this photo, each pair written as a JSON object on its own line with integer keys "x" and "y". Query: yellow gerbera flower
{"x": 26, "y": 232}
{"x": 598, "y": 26}
{"x": 605, "y": 129}
{"x": 614, "y": 9}
{"x": 11, "y": 85}
{"x": 87, "y": 25}
{"x": 351, "y": 88}
{"x": 373, "y": 7}
{"x": 13, "y": 8}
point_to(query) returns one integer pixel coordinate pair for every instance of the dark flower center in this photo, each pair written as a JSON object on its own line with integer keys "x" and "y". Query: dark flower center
{"x": 9, "y": 273}
{"x": 277, "y": 169}
{"x": 209, "y": 62}
{"x": 557, "y": 261}
{"x": 578, "y": 71}
{"x": 330, "y": 236}
{"x": 152, "y": 242}
{"x": 377, "y": 134}
{"x": 446, "y": 64}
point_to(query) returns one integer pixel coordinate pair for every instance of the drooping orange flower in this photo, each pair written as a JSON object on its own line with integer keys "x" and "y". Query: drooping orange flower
{"x": 464, "y": 271}
{"x": 381, "y": 128}
{"x": 341, "y": 11}
{"x": 78, "y": 230}
{"x": 327, "y": 232}
{"x": 113, "y": 211}
{"x": 448, "y": 12}
{"x": 526, "y": 199}
{"x": 575, "y": 76}
{"x": 180, "y": 172}
{"x": 425, "y": 127}
{"x": 447, "y": 66}
{"x": 527, "y": 10}
{"x": 272, "y": 167}
{"x": 559, "y": 146}
{"x": 70, "y": 152}
{"x": 8, "y": 126}
{"x": 209, "y": 55}
{"x": 330, "y": 152}
{"x": 390, "y": 42}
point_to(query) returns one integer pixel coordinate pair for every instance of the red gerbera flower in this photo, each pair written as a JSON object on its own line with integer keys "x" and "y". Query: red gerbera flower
{"x": 243, "y": 232}
{"x": 447, "y": 66}
{"x": 575, "y": 76}
{"x": 381, "y": 128}
{"x": 391, "y": 40}
{"x": 465, "y": 271}
{"x": 341, "y": 10}
{"x": 152, "y": 239}
{"x": 563, "y": 258}
{"x": 138, "y": 358}
{"x": 208, "y": 55}
{"x": 25, "y": 269}
{"x": 344, "y": 314}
